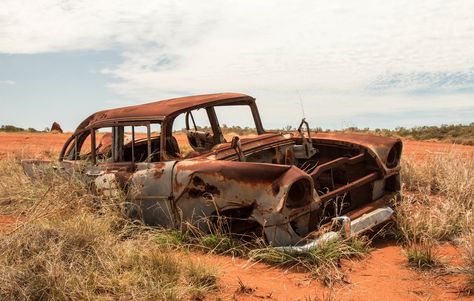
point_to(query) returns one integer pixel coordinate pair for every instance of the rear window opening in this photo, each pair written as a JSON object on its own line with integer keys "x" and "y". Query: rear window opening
{"x": 123, "y": 143}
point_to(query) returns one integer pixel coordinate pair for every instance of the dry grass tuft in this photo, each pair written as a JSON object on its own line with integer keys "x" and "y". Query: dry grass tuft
{"x": 437, "y": 205}
{"x": 73, "y": 246}
{"x": 82, "y": 258}
{"x": 423, "y": 217}
{"x": 448, "y": 175}
{"x": 323, "y": 262}
{"x": 76, "y": 246}
{"x": 438, "y": 200}
{"x": 468, "y": 246}
{"x": 422, "y": 255}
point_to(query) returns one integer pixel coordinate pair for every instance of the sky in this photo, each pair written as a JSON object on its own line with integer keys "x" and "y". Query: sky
{"x": 339, "y": 63}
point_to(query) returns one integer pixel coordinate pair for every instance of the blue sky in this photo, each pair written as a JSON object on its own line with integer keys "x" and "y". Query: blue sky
{"x": 354, "y": 63}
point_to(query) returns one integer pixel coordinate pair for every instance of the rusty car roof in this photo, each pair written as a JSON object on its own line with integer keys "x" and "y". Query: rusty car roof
{"x": 163, "y": 108}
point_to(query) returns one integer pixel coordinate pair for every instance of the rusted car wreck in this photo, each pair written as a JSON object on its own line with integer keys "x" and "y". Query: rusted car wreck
{"x": 286, "y": 186}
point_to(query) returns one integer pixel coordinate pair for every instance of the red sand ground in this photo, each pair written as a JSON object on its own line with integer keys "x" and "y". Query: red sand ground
{"x": 35, "y": 145}
{"x": 421, "y": 149}
{"x": 383, "y": 275}
{"x": 7, "y": 222}
{"x": 24, "y": 145}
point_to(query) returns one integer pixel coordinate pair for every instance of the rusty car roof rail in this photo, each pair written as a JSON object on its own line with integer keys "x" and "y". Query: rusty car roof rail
{"x": 159, "y": 110}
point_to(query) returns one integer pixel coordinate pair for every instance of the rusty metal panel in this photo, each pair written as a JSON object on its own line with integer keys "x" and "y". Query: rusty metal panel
{"x": 151, "y": 191}
{"x": 203, "y": 188}
{"x": 163, "y": 108}
{"x": 265, "y": 182}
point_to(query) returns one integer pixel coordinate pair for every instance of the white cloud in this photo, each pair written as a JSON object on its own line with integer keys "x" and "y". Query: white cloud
{"x": 330, "y": 51}
{"x": 7, "y": 82}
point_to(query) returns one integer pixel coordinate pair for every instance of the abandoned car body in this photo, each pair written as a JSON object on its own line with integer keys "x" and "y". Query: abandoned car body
{"x": 287, "y": 186}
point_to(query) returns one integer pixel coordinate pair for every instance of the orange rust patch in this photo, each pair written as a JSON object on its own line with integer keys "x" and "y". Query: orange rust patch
{"x": 157, "y": 174}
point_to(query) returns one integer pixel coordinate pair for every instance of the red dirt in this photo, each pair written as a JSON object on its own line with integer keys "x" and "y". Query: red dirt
{"x": 44, "y": 144}
{"x": 423, "y": 149}
{"x": 7, "y": 221}
{"x": 383, "y": 275}
{"x": 34, "y": 145}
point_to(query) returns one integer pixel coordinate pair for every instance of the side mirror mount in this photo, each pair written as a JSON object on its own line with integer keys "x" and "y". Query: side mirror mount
{"x": 235, "y": 144}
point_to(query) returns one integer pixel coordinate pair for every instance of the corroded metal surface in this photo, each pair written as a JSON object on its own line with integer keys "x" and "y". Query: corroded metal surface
{"x": 163, "y": 108}
{"x": 286, "y": 187}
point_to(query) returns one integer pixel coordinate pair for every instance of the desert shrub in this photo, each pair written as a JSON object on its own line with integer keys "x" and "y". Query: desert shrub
{"x": 15, "y": 129}
{"x": 11, "y": 128}
{"x": 453, "y": 133}
{"x": 238, "y": 130}
{"x": 214, "y": 236}
{"x": 51, "y": 192}
{"x": 171, "y": 238}
{"x": 201, "y": 276}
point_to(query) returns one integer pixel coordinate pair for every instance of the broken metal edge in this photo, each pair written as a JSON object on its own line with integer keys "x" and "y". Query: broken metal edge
{"x": 348, "y": 229}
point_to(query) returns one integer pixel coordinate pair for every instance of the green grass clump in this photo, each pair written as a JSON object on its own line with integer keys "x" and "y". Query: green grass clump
{"x": 422, "y": 255}
{"x": 323, "y": 262}
{"x": 218, "y": 244}
{"x": 171, "y": 238}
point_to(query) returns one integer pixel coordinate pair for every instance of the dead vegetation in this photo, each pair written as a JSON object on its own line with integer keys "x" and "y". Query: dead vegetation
{"x": 468, "y": 247}
{"x": 70, "y": 246}
{"x": 83, "y": 258}
{"x": 438, "y": 205}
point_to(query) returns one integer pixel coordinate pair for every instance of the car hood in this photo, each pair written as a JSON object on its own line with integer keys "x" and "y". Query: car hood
{"x": 379, "y": 146}
{"x": 225, "y": 151}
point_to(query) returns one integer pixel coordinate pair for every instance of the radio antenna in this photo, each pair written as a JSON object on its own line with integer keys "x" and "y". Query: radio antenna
{"x": 301, "y": 103}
